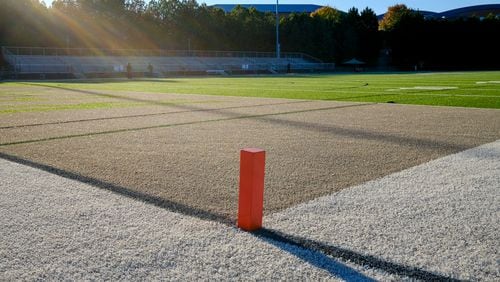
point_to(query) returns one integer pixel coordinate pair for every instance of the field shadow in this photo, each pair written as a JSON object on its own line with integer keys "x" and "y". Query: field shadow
{"x": 100, "y": 94}
{"x": 152, "y": 114}
{"x": 325, "y": 256}
{"x": 366, "y": 135}
{"x": 99, "y": 81}
{"x": 311, "y": 256}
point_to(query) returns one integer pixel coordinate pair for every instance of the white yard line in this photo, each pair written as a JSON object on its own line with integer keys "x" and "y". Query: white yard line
{"x": 488, "y": 82}
{"x": 449, "y": 95}
{"x": 442, "y": 216}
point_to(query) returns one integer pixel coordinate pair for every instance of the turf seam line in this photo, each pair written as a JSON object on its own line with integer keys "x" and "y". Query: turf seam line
{"x": 176, "y": 124}
{"x": 147, "y": 115}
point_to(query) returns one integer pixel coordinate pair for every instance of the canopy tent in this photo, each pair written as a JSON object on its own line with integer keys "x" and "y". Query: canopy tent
{"x": 354, "y": 61}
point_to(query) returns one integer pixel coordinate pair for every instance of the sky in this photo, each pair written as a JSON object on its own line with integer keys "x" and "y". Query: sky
{"x": 379, "y": 6}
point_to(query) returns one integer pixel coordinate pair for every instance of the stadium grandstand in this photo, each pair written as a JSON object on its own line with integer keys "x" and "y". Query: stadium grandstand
{"x": 86, "y": 63}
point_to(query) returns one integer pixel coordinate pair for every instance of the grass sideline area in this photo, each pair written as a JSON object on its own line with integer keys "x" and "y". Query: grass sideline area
{"x": 462, "y": 89}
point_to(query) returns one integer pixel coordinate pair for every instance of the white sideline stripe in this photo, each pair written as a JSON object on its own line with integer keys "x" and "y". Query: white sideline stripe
{"x": 429, "y": 88}
{"x": 441, "y": 216}
{"x": 488, "y": 82}
{"x": 448, "y": 95}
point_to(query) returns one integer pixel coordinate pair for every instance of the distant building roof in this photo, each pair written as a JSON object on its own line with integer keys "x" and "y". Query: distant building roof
{"x": 478, "y": 10}
{"x": 282, "y": 8}
{"x": 426, "y": 14}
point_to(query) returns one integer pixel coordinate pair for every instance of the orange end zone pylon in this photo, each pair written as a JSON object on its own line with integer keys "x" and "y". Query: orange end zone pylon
{"x": 251, "y": 198}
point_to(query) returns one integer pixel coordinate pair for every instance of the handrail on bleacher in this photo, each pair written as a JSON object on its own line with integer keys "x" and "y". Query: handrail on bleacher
{"x": 49, "y": 51}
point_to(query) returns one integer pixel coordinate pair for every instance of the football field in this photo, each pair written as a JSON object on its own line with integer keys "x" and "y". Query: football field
{"x": 463, "y": 89}
{"x": 174, "y": 144}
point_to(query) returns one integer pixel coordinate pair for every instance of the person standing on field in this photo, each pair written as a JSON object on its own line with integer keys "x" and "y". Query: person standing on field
{"x": 129, "y": 71}
{"x": 150, "y": 70}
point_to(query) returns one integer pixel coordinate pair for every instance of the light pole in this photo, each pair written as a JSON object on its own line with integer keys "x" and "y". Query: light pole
{"x": 67, "y": 45}
{"x": 277, "y": 32}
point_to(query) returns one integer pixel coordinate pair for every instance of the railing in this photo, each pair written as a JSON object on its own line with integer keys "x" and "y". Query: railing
{"x": 108, "y": 68}
{"x": 8, "y": 56}
{"x": 42, "y": 68}
{"x": 241, "y": 68}
{"x": 45, "y": 51}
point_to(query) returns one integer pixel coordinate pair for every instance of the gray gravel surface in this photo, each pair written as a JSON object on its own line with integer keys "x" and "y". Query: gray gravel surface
{"x": 439, "y": 219}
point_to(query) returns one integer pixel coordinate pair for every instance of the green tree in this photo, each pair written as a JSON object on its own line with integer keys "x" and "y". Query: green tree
{"x": 393, "y": 16}
{"x": 370, "y": 40}
{"x": 23, "y": 23}
{"x": 328, "y": 13}
{"x": 351, "y": 39}
{"x": 298, "y": 33}
{"x": 405, "y": 34}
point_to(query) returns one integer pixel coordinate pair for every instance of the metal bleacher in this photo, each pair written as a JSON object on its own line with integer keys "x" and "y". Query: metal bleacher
{"x": 98, "y": 62}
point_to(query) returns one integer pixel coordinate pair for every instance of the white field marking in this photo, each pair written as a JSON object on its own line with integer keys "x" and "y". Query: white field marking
{"x": 445, "y": 95}
{"x": 488, "y": 82}
{"x": 429, "y": 88}
{"x": 437, "y": 88}
{"x": 424, "y": 88}
{"x": 482, "y": 89}
{"x": 440, "y": 73}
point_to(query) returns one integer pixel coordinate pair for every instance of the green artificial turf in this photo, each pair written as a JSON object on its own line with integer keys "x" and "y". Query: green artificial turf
{"x": 464, "y": 89}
